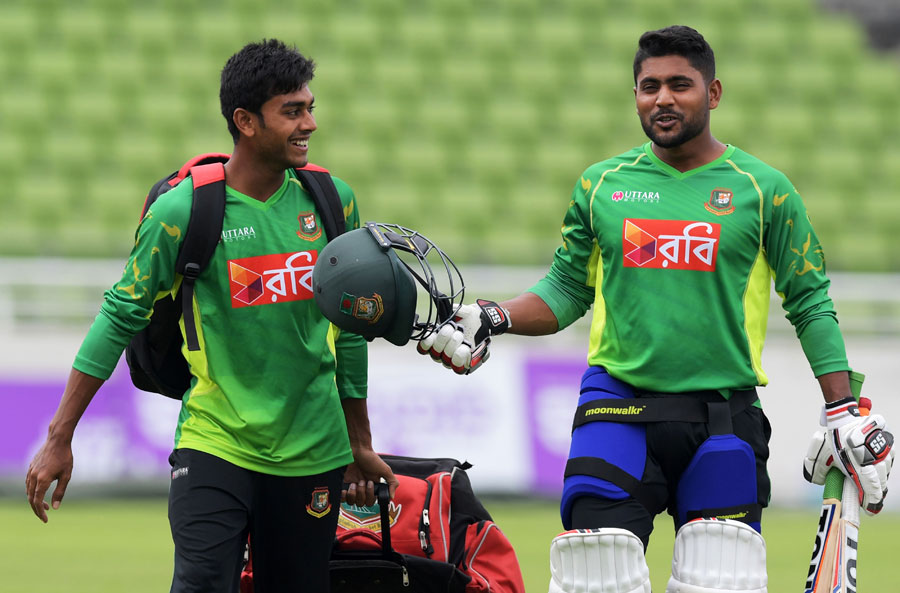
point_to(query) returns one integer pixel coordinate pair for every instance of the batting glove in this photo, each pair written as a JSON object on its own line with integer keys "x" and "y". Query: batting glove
{"x": 860, "y": 446}
{"x": 462, "y": 344}
{"x": 819, "y": 459}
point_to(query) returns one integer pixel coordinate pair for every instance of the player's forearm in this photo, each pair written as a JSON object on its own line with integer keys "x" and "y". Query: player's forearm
{"x": 835, "y": 385}
{"x": 569, "y": 297}
{"x": 351, "y": 370}
{"x": 530, "y": 316}
{"x": 356, "y": 415}
{"x": 80, "y": 390}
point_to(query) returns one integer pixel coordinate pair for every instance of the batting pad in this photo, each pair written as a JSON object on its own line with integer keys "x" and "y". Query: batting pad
{"x": 718, "y": 556}
{"x": 598, "y": 561}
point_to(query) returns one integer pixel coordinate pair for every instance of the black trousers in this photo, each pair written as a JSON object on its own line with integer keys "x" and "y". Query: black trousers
{"x": 214, "y": 505}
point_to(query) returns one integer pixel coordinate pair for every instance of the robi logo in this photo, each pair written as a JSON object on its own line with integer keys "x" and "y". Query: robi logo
{"x": 267, "y": 279}
{"x": 670, "y": 244}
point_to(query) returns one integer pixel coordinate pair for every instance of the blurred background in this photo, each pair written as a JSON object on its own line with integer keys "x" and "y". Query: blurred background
{"x": 467, "y": 120}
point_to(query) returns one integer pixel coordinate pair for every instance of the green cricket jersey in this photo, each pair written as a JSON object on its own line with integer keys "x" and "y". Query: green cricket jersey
{"x": 679, "y": 266}
{"x": 265, "y": 393}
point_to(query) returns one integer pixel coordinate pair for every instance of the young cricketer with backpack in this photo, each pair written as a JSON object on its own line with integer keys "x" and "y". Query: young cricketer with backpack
{"x": 676, "y": 244}
{"x": 275, "y": 419}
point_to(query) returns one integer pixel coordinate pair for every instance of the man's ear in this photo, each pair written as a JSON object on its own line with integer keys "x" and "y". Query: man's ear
{"x": 715, "y": 93}
{"x": 245, "y": 121}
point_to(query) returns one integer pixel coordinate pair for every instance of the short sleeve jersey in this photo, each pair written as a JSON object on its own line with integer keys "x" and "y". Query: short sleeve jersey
{"x": 263, "y": 394}
{"x": 679, "y": 268}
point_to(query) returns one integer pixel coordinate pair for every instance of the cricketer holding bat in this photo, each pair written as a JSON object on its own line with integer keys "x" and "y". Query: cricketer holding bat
{"x": 675, "y": 244}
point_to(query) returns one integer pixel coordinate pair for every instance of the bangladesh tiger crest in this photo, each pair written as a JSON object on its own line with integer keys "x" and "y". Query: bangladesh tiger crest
{"x": 309, "y": 226}
{"x": 319, "y": 503}
{"x": 720, "y": 201}
{"x": 368, "y": 309}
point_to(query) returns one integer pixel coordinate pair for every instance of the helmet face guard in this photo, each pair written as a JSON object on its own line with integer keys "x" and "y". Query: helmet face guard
{"x": 363, "y": 285}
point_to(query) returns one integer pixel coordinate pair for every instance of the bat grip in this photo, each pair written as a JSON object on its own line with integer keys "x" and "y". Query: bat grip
{"x": 834, "y": 484}
{"x": 834, "y": 480}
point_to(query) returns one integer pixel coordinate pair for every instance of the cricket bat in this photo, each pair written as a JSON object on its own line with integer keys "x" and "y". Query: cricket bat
{"x": 832, "y": 568}
{"x": 833, "y": 565}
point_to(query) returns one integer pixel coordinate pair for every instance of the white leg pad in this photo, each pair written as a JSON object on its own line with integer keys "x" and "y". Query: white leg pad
{"x": 718, "y": 556}
{"x": 598, "y": 561}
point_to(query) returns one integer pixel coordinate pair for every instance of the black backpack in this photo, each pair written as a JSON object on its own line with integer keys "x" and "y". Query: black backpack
{"x": 154, "y": 354}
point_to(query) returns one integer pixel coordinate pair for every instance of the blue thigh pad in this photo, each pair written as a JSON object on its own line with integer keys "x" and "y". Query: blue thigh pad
{"x": 720, "y": 481}
{"x": 623, "y": 445}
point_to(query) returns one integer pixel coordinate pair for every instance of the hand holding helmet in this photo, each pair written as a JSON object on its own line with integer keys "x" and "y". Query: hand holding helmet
{"x": 363, "y": 286}
{"x": 463, "y": 343}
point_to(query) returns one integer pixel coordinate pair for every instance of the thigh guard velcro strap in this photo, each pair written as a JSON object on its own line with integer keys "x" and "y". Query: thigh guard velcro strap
{"x": 718, "y": 556}
{"x": 606, "y": 459}
{"x": 598, "y": 561}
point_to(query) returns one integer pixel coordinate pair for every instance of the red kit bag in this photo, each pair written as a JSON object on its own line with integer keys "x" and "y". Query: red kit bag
{"x": 440, "y": 537}
{"x": 436, "y": 515}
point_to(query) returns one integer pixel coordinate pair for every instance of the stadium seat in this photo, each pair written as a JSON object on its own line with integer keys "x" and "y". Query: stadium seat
{"x": 486, "y": 105}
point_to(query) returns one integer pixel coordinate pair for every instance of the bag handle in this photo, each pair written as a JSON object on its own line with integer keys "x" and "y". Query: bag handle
{"x": 383, "y": 495}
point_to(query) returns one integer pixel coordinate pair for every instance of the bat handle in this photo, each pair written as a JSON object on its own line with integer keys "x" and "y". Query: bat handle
{"x": 834, "y": 484}
{"x": 834, "y": 480}
{"x": 850, "y": 502}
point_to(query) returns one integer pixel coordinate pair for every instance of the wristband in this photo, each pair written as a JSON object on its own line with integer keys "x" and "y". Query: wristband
{"x": 494, "y": 317}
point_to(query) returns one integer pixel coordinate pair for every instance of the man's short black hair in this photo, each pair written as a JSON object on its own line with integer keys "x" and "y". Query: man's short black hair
{"x": 259, "y": 72}
{"x": 677, "y": 40}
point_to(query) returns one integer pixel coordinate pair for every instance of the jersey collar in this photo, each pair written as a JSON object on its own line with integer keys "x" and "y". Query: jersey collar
{"x": 729, "y": 150}
{"x": 273, "y": 199}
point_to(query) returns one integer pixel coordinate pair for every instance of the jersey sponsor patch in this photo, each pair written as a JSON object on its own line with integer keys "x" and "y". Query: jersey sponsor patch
{"x": 238, "y": 234}
{"x": 274, "y": 278}
{"x": 648, "y": 197}
{"x": 670, "y": 244}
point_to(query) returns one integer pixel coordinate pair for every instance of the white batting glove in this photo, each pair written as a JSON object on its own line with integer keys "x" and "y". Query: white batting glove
{"x": 462, "y": 344}
{"x": 819, "y": 459}
{"x": 860, "y": 446}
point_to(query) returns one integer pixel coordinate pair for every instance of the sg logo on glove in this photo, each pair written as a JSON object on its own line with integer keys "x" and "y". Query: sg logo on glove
{"x": 879, "y": 444}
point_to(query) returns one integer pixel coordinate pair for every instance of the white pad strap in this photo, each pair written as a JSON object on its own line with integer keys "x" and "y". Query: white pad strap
{"x": 718, "y": 556}
{"x": 598, "y": 561}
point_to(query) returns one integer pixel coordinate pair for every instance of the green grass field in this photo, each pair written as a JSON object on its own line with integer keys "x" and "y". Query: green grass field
{"x": 123, "y": 545}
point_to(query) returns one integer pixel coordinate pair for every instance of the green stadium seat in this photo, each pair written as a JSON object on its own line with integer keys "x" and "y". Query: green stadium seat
{"x": 430, "y": 107}
{"x": 838, "y": 40}
{"x": 560, "y": 38}
{"x": 19, "y": 29}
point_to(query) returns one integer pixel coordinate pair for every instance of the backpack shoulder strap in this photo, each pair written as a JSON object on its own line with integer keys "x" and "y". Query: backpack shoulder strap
{"x": 167, "y": 183}
{"x": 200, "y": 238}
{"x": 317, "y": 181}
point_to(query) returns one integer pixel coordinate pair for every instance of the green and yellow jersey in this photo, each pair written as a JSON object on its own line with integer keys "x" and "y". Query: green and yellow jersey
{"x": 266, "y": 387}
{"x": 679, "y": 266}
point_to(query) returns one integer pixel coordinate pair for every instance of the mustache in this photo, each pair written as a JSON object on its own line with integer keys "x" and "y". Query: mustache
{"x": 664, "y": 112}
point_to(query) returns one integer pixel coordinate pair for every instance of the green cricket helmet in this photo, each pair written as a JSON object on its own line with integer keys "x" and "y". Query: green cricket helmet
{"x": 363, "y": 285}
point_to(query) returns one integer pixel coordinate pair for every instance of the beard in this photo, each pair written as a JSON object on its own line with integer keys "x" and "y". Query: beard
{"x": 689, "y": 129}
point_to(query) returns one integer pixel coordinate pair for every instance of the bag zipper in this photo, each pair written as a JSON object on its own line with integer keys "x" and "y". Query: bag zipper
{"x": 478, "y": 549}
{"x": 425, "y": 524}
